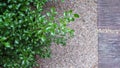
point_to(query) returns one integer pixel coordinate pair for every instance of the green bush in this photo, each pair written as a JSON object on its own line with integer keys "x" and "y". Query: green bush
{"x": 25, "y": 32}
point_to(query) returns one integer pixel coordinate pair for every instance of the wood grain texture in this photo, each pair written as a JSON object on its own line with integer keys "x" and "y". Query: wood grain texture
{"x": 109, "y": 50}
{"x": 109, "y": 14}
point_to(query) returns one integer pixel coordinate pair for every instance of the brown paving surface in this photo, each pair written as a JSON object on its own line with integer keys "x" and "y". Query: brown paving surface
{"x": 81, "y": 51}
{"x": 109, "y": 14}
{"x": 109, "y": 50}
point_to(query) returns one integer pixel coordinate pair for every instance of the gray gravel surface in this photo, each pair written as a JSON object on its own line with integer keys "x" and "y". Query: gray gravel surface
{"x": 82, "y": 50}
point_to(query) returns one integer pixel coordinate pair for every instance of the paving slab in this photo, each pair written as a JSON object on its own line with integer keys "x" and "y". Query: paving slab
{"x": 109, "y": 50}
{"x": 109, "y": 14}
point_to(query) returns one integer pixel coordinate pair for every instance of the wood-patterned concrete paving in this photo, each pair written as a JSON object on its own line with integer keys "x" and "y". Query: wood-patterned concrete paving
{"x": 109, "y": 33}
{"x": 109, "y": 50}
{"x": 109, "y": 14}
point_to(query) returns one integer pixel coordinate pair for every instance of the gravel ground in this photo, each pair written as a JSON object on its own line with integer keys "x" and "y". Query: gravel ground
{"x": 82, "y": 50}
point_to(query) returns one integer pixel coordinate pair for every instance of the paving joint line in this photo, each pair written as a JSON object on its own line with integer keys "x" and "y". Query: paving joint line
{"x": 108, "y": 31}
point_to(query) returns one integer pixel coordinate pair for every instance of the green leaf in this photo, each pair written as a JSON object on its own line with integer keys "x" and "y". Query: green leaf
{"x": 16, "y": 42}
{"x": 63, "y": 0}
{"x": 48, "y": 28}
{"x": 1, "y": 20}
{"x": 71, "y": 19}
{"x": 43, "y": 38}
{"x": 52, "y": 10}
{"x": 48, "y": 14}
{"x": 6, "y": 44}
{"x": 76, "y": 15}
{"x": 3, "y": 38}
{"x": 70, "y": 11}
{"x": 65, "y": 14}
